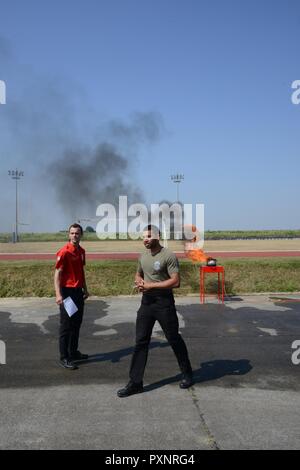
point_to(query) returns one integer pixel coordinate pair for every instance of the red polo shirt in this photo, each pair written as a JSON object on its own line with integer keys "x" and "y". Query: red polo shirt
{"x": 71, "y": 259}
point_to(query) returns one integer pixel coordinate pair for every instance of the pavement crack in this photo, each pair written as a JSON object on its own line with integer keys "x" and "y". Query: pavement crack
{"x": 210, "y": 437}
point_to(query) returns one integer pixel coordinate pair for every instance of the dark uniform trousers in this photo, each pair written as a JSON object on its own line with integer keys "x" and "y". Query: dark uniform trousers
{"x": 160, "y": 308}
{"x": 69, "y": 326}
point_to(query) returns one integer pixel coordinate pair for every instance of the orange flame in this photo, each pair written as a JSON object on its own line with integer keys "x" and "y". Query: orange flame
{"x": 196, "y": 256}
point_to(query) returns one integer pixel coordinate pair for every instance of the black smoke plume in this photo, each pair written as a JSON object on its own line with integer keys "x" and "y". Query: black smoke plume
{"x": 85, "y": 178}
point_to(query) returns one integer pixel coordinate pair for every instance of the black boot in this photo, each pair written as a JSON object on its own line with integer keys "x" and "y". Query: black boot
{"x": 78, "y": 356}
{"x": 187, "y": 380}
{"x": 67, "y": 364}
{"x": 130, "y": 389}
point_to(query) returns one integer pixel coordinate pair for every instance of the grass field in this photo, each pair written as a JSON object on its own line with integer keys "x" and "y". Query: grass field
{"x": 136, "y": 246}
{"x": 35, "y": 278}
{"x": 28, "y": 278}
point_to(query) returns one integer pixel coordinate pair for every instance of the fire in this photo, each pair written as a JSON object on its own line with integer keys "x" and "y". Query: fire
{"x": 196, "y": 256}
{"x": 190, "y": 246}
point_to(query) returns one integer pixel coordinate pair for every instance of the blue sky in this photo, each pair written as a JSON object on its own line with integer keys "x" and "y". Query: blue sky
{"x": 218, "y": 75}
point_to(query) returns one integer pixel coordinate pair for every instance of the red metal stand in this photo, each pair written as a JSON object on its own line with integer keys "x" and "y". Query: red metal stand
{"x": 212, "y": 269}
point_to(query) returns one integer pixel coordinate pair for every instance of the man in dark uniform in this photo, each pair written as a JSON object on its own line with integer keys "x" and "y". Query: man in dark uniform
{"x": 157, "y": 274}
{"x": 69, "y": 281}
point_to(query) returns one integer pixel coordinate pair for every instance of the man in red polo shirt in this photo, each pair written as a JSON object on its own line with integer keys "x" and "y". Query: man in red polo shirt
{"x": 69, "y": 281}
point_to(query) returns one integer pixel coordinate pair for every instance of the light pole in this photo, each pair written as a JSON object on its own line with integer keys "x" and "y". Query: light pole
{"x": 177, "y": 179}
{"x": 16, "y": 175}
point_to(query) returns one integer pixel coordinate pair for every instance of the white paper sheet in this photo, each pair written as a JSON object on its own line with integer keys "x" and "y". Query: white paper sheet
{"x": 70, "y": 306}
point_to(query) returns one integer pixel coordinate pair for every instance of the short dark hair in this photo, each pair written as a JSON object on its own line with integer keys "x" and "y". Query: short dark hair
{"x": 76, "y": 226}
{"x": 152, "y": 228}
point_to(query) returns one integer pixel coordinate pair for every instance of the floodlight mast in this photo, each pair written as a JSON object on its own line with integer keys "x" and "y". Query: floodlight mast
{"x": 16, "y": 175}
{"x": 177, "y": 179}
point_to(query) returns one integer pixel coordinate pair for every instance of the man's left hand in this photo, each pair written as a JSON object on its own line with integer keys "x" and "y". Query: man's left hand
{"x": 144, "y": 286}
{"x": 85, "y": 294}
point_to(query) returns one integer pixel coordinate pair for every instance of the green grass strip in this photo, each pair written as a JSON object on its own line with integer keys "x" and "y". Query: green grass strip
{"x": 104, "y": 278}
